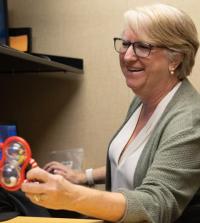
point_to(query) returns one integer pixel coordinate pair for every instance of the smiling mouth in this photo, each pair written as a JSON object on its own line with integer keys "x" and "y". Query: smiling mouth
{"x": 135, "y": 69}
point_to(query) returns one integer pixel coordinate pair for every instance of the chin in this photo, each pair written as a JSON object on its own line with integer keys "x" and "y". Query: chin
{"x": 131, "y": 82}
{"x": 133, "y": 86}
{"x": 130, "y": 85}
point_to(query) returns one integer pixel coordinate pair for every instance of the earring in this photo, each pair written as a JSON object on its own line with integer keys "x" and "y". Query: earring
{"x": 172, "y": 71}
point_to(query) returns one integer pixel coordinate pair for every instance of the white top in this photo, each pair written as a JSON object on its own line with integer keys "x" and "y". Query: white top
{"x": 122, "y": 172}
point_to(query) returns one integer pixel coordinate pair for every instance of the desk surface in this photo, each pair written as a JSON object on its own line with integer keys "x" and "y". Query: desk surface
{"x": 50, "y": 220}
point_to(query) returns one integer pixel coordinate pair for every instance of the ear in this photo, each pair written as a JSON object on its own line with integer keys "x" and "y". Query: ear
{"x": 175, "y": 61}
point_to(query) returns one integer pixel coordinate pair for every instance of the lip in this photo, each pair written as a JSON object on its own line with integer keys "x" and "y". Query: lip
{"x": 135, "y": 70}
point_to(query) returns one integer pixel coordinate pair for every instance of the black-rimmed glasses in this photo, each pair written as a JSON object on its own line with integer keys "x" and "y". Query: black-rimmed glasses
{"x": 141, "y": 49}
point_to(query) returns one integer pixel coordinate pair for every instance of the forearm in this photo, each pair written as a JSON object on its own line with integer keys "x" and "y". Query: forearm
{"x": 111, "y": 206}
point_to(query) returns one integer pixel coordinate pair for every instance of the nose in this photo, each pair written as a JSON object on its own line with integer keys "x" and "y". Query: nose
{"x": 130, "y": 54}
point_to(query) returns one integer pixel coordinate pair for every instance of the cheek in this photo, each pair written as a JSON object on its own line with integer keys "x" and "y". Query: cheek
{"x": 121, "y": 61}
{"x": 158, "y": 70}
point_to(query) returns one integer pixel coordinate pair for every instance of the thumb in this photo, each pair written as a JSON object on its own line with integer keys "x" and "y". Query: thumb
{"x": 37, "y": 174}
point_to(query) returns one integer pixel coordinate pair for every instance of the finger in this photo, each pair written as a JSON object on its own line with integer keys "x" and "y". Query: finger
{"x": 47, "y": 165}
{"x": 59, "y": 172}
{"x": 33, "y": 188}
{"x": 50, "y": 169}
{"x": 50, "y": 165}
{"x": 37, "y": 174}
{"x": 36, "y": 198}
{"x": 29, "y": 195}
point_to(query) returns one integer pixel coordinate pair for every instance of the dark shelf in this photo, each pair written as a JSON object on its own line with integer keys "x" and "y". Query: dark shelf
{"x": 14, "y": 61}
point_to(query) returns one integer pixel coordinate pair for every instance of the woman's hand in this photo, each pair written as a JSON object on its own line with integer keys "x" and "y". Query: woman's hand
{"x": 74, "y": 176}
{"x": 54, "y": 192}
{"x": 48, "y": 190}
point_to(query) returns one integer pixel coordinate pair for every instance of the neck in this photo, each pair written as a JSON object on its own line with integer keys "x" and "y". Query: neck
{"x": 151, "y": 102}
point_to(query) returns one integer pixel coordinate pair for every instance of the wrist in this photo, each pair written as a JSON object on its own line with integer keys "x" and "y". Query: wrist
{"x": 82, "y": 180}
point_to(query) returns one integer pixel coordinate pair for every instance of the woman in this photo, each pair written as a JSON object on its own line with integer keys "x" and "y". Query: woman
{"x": 153, "y": 162}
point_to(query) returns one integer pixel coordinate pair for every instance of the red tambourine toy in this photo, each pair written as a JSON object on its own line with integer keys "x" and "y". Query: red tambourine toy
{"x": 15, "y": 157}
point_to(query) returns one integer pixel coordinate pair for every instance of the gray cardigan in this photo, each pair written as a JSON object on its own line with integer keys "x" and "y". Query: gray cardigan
{"x": 167, "y": 175}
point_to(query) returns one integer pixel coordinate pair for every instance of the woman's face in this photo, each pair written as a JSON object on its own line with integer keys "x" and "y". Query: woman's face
{"x": 145, "y": 76}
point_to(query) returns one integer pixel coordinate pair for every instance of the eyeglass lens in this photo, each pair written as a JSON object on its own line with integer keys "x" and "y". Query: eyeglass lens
{"x": 140, "y": 49}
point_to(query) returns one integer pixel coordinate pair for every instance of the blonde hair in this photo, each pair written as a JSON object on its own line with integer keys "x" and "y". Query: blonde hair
{"x": 165, "y": 25}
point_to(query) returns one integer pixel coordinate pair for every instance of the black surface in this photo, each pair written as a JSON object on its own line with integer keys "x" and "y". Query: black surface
{"x": 14, "y": 61}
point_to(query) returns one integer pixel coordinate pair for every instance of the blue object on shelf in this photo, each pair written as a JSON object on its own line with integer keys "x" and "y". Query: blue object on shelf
{"x": 5, "y": 132}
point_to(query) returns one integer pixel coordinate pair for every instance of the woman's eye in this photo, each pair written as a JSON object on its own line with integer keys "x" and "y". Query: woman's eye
{"x": 142, "y": 46}
{"x": 125, "y": 44}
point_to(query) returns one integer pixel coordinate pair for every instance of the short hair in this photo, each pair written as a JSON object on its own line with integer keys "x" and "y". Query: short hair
{"x": 167, "y": 26}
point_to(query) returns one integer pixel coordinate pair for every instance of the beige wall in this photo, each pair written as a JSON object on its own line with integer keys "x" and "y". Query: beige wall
{"x": 57, "y": 113}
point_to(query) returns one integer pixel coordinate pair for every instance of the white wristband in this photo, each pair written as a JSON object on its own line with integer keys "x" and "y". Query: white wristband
{"x": 89, "y": 176}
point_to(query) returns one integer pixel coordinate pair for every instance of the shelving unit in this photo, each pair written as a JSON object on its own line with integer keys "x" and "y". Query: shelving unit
{"x": 14, "y": 61}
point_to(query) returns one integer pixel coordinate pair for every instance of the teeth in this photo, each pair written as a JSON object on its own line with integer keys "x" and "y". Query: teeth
{"x": 134, "y": 70}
